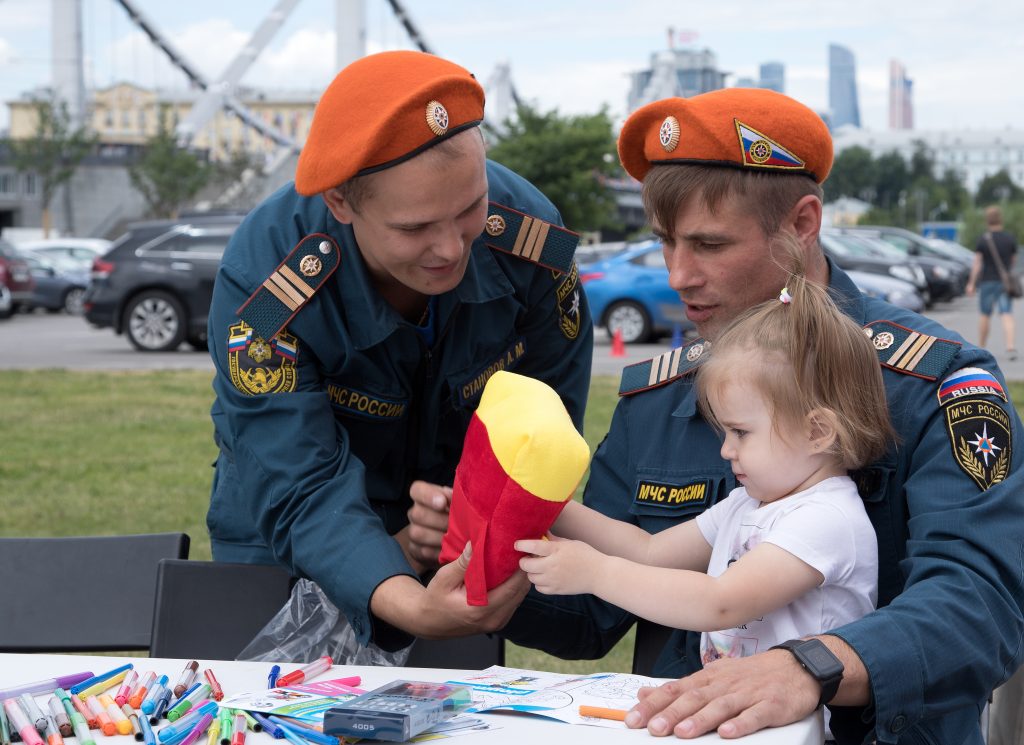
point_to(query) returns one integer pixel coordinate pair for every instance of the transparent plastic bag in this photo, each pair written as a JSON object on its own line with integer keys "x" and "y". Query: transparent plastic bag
{"x": 309, "y": 626}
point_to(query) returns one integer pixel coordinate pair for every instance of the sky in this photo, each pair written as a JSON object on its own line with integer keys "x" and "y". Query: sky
{"x": 966, "y": 59}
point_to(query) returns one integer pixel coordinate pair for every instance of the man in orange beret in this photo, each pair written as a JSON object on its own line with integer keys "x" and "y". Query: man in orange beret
{"x": 356, "y": 317}
{"x": 726, "y": 177}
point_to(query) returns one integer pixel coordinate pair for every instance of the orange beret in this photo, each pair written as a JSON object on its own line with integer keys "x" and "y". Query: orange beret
{"x": 736, "y": 127}
{"x": 382, "y": 110}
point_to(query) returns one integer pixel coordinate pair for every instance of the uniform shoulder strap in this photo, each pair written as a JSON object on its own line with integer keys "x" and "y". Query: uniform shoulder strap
{"x": 530, "y": 238}
{"x": 293, "y": 284}
{"x": 662, "y": 369}
{"x": 911, "y": 352}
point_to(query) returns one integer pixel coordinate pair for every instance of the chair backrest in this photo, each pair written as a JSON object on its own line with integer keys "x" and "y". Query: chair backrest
{"x": 212, "y": 610}
{"x": 468, "y": 653}
{"x": 651, "y": 638}
{"x": 81, "y": 593}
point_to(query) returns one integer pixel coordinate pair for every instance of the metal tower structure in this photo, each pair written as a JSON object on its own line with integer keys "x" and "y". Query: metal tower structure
{"x": 67, "y": 55}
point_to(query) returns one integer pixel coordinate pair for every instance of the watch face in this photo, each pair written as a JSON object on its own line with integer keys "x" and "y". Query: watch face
{"x": 821, "y": 662}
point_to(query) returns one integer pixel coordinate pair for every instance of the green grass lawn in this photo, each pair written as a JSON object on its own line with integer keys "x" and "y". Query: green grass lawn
{"x": 88, "y": 453}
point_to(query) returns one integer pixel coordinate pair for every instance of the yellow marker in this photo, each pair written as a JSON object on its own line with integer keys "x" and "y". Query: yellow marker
{"x": 102, "y": 686}
{"x": 213, "y": 734}
{"x": 124, "y": 727}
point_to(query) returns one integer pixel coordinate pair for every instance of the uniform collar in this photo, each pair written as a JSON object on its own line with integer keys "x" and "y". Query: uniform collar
{"x": 371, "y": 320}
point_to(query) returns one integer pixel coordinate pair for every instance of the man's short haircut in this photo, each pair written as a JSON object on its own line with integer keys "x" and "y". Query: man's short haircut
{"x": 993, "y": 216}
{"x": 769, "y": 195}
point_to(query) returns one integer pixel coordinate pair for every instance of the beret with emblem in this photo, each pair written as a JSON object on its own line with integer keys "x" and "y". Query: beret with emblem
{"x": 382, "y": 110}
{"x": 748, "y": 128}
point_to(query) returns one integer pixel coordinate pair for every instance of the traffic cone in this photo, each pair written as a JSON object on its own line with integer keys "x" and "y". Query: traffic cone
{"x": 618, "y": 346}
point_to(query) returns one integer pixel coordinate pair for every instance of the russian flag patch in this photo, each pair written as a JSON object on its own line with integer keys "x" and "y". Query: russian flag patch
{"x": 970, "y": 381}
{"x": 762, "y": 151}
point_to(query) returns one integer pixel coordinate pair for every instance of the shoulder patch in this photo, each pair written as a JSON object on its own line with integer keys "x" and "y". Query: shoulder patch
{"x": 258, "y": 366}
{"x": 568, "y": 296}
{"x": 530, "y": 237}
{"x": 967, "y": 382}
{"x": 911, "y": 352}
{"x": 293, "y": 284}
{"x": 980, "y": 434}
{"x": 663, "y": 369}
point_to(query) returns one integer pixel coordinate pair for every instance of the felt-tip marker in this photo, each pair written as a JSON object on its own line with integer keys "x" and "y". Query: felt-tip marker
{"x": 20, "y": 722}
{"x": 272, "y": 677}
{"x": 304, "y": 673}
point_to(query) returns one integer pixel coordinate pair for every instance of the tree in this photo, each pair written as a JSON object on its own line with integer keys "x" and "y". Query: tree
{"x": 853, "y": 175}
{"x": 54, "y": 152}
{"x": 168, "y": 176}
{"x": 568, "y": 159}
{"x": 997, "y": 187}
{"x": 891, "y": 179}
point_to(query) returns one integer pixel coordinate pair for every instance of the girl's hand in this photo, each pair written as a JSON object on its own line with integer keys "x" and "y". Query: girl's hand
{"x": 559, "y": 566}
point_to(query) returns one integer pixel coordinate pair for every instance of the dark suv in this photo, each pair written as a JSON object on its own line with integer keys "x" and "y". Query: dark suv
{"x": 156, "y": 282}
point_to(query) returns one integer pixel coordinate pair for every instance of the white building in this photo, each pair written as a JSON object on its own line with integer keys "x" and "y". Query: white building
{"x": 974, "y": 154}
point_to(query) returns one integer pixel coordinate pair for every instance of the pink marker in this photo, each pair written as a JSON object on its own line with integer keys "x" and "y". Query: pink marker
{"x": 19, "y": 721}
{"x": 121, "y": 697}
{"x": 314, "y": 668}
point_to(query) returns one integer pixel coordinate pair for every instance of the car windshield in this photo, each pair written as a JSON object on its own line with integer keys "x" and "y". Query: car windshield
{"x": 871, "y": 246}
{"x": 8, "y": 251}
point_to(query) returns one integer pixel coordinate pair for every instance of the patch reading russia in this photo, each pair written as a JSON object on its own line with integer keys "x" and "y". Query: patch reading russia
{"x": 971, "y": 381}
{"x": 979, "y": 433}
{"x": 569, "y": 304}
{"x": 365, "y": 405}
{"x": 258, "y": 366}
{"x": 672, "y": 496}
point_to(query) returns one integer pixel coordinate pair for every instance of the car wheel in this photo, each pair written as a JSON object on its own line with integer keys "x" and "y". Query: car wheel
{"x": 631, "y": 319}
{"x": 6, "y": 306}
{"x": 73, "y": 301}
{"x": 155, "y": 322}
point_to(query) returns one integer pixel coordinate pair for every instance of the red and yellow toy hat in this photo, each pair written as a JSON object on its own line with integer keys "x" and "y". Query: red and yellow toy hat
{"x": 748, "y": 128}
{"x": 382, "y": 110}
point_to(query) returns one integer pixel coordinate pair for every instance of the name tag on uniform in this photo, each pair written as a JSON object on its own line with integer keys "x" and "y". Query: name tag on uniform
{"x": 366, "y": 405}
{"x": 468, "y": 390}
{"x": 673, "y": 497}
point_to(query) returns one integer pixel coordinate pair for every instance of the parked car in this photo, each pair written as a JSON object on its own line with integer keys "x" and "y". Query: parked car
{"x": 62, "y": 252}
{"x": 155, "y": 283}
{"x": 16, "y": 277}
{"x": 851, "y": 253}
{"x": 56, "y": 288}
{"x": 961, "y": 252}
{"x": 917, "y": 245}
{"x": 5, "y": 302}
{"x": 629, "y": 292}
{"x": 892, "y": 290}
{"x": 946, "y": 279}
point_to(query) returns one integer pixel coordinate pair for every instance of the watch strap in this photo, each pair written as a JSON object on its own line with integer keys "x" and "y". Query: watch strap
{"x": 829, "y": 684}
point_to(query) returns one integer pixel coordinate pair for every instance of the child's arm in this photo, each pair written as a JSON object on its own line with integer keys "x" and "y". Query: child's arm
{"x": 763, "y": 580}
{"x": 681, "y": 546}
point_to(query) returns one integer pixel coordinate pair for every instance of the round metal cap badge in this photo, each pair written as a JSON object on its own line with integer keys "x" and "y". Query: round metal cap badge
{"x": 310, "y": 265}
{"x": 495, "y": 225}
{"x": 437, "y": 118}
{"x": 668, "y": 135}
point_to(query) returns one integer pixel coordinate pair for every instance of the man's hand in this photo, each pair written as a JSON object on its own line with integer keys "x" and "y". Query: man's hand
{"x": 559, "y": 566}
{"x": 445, "y": 613}
{"x": 735, "y": 696}
{"x": 428, "y": 521}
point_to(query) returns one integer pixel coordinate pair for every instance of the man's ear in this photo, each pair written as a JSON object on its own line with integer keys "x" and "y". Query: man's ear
{"x": 805, "y": 220}
{"x": 822, "y": 430}
{"x": 340, "y": 207}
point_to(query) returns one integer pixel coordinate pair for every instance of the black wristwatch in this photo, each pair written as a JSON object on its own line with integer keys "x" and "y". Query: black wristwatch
{"x": 819, "y": 662}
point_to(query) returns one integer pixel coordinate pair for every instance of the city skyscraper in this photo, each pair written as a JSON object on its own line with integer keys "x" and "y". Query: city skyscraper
{"x": 842, "y": 87}
{"x": 773, "y": 76}
{"x": 675, "y": 72}
{"x": 901, "y": 102}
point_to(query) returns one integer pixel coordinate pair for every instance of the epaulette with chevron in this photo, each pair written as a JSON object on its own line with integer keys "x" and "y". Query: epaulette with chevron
{"x": 911, "y": 352}
{"x": 662, "y": 369}
{"x": 530, "y": 238}
{"x": 291, "y": 285}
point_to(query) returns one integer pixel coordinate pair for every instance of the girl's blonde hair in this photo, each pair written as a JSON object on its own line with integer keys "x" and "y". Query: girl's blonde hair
{"x": 805, "y": 355}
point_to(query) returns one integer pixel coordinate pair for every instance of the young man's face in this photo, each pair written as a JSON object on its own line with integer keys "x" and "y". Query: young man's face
{"x": 719, "y": 263}
{"x": 420, "y": 218}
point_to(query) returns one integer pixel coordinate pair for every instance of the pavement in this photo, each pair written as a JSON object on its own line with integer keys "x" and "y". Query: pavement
{"x": 41, "y": 340}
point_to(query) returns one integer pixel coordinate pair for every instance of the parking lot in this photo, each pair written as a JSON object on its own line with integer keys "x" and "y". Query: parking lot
{"x": 41, "y": 340}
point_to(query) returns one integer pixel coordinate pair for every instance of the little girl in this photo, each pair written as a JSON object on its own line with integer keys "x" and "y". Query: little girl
{"x": 795, "y": 387}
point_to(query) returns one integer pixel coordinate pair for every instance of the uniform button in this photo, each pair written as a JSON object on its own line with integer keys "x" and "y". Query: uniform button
{"x": 325, "y": 247}
{"x": 899, "y": 723}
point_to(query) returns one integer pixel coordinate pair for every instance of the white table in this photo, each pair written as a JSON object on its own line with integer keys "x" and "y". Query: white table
{"x": 243, "y": 677}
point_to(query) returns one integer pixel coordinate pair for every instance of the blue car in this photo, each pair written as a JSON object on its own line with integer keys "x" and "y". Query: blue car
{"x": 629, "y": 291}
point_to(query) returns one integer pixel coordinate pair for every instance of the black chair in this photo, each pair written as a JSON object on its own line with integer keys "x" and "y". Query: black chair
{"x": 468, "y": 653}
{"x": 651, "y": 638}
{"x": 211, "y": 610}
{"x": 81, "y": 593}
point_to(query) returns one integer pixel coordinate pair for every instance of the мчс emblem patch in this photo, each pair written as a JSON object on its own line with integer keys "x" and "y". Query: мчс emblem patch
{"x": 569, "y": 304}
{"x": 258, "y": 366}
{"x": 980, "y": 435}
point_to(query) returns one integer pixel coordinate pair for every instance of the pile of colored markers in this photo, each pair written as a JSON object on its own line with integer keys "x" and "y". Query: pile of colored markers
{"x": 121, "y": 702}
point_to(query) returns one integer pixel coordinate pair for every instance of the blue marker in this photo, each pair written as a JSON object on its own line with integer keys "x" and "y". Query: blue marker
{"x": 185, "y": 694}
{"x": 272, "y": 678}
{"x": 304, "y": 732}
{"x": 174, "y": 732}
{"x": 149, "y": 702}
{"x": 147, "y": 731}
{"x": 293, "y": 738}
{"x": 269, "y": 727}
{"x": 78, "y": 688}
{"x": 160, "y": 707}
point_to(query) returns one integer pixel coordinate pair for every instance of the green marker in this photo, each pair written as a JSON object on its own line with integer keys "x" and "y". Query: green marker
{"x": 226, "y": 725}
{"x": 5, "y": 730}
